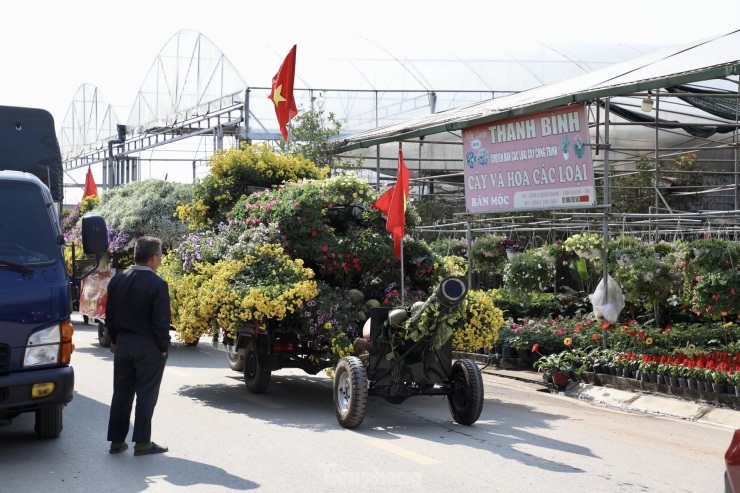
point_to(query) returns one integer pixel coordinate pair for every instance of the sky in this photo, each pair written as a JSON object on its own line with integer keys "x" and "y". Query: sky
{"x": 51, "y": 47}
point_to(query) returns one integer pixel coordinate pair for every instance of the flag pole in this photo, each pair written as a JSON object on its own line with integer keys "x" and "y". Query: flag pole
{"x": 400, "y": 145}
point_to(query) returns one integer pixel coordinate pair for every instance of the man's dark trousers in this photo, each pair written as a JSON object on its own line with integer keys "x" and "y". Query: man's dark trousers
{"x": 137, "y": 371}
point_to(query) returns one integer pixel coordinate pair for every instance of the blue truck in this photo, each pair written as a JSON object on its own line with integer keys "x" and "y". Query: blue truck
{"x": 36, "y": 331}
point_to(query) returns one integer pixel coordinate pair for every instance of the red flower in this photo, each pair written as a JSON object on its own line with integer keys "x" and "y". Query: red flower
{"x": 595, "y": 337}
{"x": 313, "y": 233}
{"x": 605, "y": 325}
{"x": 732, "y": 292}
{"x": 535, "y": 347}
{"x": 324, "y": 248}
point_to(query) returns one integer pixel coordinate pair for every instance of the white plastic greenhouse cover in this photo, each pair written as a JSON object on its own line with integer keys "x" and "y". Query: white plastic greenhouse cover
{"x": 354, "y": 74}
{"x": 699, "y": 61}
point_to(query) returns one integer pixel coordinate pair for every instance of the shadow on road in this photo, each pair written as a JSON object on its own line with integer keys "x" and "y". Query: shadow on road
{"x": 306, "y": 402}
{"x": 32, "y": 465}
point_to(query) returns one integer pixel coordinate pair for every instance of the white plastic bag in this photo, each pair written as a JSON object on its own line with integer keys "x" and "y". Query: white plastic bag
{"x": 607, "y": 303}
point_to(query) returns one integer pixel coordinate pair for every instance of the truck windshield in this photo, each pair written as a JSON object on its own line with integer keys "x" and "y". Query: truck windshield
{"x": 26, "y": 234}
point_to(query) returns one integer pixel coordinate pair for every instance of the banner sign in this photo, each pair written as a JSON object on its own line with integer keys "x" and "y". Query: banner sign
{"x": 538, "y": 161}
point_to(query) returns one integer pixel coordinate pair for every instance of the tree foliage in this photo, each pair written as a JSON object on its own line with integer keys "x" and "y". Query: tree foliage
{"x": 311, "y": 133}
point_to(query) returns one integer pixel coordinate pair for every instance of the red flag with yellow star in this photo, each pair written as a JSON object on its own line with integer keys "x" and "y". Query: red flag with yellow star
{"x": 396, "y": 221}
{"x": 282, "y": 92}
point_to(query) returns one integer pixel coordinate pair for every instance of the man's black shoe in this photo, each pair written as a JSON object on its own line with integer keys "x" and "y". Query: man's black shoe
{"x": 118, "y": 450}
{"x": 154, "y": 449}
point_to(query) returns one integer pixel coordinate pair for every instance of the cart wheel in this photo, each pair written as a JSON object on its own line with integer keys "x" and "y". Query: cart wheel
{"x": 350, "y": 392}
{"x": 86, "y": 319}
{"x": 103, "y": 337}
{"x": 466, "y": 399}
{"x": 256, "y": 377}
{"x": 235, "y": 360}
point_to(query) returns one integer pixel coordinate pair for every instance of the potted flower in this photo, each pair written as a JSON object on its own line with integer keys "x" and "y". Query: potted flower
{"x": 511, "y": 247}
{"x": 565, "y": 146}
{"x": 558, "y": 366}
{"x": 719, "y": 380}
{"x": 586, "y": 245}
{"x": 734, "y": 380}
{"x": 530, "y": 271}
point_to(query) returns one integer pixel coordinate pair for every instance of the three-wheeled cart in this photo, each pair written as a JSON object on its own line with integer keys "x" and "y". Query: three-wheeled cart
{"x": 393, "y": 367}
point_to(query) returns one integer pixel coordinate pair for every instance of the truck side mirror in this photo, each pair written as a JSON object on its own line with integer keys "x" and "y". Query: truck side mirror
{"x": 94, "y": 235}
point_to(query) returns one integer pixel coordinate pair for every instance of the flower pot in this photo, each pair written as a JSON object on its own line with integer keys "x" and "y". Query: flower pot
{"x": 653, "y": 377}
{"x": 612, "y": 370}
{"x": 508, "y": 352}
{"x": 719, "y": 388}
{"x": 583, "y": 254}
{"x": 512, "y": 255}
{"x": 626, "y": 373}
{"x": 691, "y": 382}
{"x": 660, "y": 379}
{"x": 560, "y": 379}
{"x": 598, "y": 368}
{"x": 523, "y": 353}
{"x": 682, "y": 382}
{"x": 673, "y": 381}
{"x": 619, "y": 372}
{"x": 737, "y": 390}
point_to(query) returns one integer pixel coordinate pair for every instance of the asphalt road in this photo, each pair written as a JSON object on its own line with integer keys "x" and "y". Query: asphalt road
{"x": 222, "y": 438}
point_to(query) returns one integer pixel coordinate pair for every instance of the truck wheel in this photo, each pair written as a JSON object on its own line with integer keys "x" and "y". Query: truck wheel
{"x": 49, "y": 421}
{"x": 466, "y": 399}
{"x": 103, "y": 337}
{"x": 256, "y": 377}
{"x": 350, "y": 392}
{"x": 235, "y": 360}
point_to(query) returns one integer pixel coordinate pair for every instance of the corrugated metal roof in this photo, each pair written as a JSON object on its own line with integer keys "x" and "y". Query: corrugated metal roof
{"x": 698, "y": 61}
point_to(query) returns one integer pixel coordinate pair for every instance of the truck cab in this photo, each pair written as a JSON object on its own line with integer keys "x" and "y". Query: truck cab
{"x": 36, "y": 332}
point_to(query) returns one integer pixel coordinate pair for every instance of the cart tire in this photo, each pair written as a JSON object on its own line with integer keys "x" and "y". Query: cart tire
{"x": 49, "y": 421}
{"x": 86, "y": 319}
{"x": 256, "y": 377}
{"x": 350, "y": 392}
{"x": 235, "y": 360}
{"x": 103, "y": 336}
{"x": 466, "y": 399}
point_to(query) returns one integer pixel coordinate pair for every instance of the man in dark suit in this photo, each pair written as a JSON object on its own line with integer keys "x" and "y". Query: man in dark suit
{"x": 137, "y": 316}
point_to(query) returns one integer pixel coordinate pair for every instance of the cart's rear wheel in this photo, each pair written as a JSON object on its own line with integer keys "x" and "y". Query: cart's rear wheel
{"x": 350, "y": 392}
{"x": 256, "y": 377}
{"x": 235, "y": 360}
{"x": 103, "y": 336}
{"x": 86, "y": 319}
{"x": 466, "y": 400}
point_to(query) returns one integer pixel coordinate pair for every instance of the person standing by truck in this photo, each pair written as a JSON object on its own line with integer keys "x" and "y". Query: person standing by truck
{"x": 137, "y": 316}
